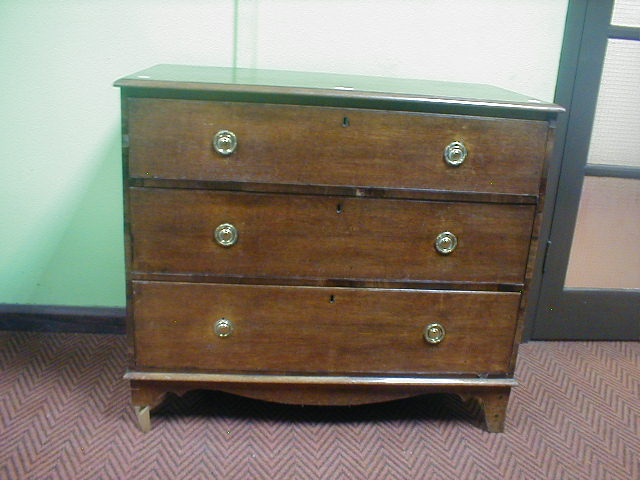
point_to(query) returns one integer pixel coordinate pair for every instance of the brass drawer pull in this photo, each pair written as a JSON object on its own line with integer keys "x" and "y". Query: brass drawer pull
{"x": 223, "y": 328}
{"x": 226, "y": 235}
{"x": 446, "y": 242}
{"x": 455, "y": 154}
{"x": 434, "y": 333}
{"x": 225, "y": 142}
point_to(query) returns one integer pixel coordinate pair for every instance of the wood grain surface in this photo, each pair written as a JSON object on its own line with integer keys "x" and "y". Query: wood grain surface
{"x": 314, "y": 329}
{"x": 171, "y": 139}
{"x": 327, "y": 237}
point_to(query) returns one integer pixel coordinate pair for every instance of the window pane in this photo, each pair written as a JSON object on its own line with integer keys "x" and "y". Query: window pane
{"x": 626, "y": 13}
{"x": 606, "y": 245}
{"x": 615, "y": 139}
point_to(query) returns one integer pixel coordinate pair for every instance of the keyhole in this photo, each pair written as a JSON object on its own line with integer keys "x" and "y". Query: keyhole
{"x": 332, "y": 299}
{"x": 339, "y": 208}
{"x": 345, "y": 122}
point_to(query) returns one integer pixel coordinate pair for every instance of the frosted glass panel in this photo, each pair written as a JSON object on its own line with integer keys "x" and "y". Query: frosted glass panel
{"x": 626, "y": 13}
{"x": 606, "y": 245}
{"x": 615, "y": 139}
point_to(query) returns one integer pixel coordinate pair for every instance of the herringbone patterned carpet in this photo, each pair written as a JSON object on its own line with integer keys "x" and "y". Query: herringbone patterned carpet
{"x": 64, "y": 414}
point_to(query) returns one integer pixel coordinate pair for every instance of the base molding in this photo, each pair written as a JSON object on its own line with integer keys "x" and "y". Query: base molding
{"x": 389, "y": 381}
{"x": 62, "y": 319}
{"x": 149, "y": 389}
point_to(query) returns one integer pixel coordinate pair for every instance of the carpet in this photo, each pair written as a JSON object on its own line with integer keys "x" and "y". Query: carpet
{"x": 65, "y": 414}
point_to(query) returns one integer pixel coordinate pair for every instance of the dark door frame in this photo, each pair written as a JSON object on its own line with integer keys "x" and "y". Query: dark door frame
{"x": 579, "y": 314}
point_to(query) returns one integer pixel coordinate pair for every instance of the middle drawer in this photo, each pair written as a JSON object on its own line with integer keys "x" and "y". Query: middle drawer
{"x": 325, "y": 237}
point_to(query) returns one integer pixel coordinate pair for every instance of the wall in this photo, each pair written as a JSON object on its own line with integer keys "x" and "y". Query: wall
{"x": 60, "y": 221}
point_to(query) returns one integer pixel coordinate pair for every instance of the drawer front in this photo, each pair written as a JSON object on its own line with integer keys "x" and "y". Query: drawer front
{"x": 325, "y": 237}
{"x": 285, "y": 144}
{"x": 323, "y": 330}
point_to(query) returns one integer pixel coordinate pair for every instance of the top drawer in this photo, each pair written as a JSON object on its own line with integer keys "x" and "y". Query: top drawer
{"x": 284, "y": 144}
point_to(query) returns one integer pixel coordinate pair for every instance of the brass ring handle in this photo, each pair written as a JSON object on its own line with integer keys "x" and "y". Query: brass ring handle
{"x": 226, "y": 234}
{"x": 225, "y": 142}
{"x": 455, "y": 154}
{"x": 223, "y": 328}
{"x": 434, "y": 333}
{"x": 446, "y": 242}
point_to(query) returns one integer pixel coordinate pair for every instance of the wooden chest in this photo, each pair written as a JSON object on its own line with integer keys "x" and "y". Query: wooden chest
{"x": 327, "y": 239}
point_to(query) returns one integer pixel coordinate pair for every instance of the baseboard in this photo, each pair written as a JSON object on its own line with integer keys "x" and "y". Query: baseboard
{"x": 55, "y": 318}
{"x": 591, "y": 314}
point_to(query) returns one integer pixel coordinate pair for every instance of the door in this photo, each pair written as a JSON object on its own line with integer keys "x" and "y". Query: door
{"x": 590, "y": 287}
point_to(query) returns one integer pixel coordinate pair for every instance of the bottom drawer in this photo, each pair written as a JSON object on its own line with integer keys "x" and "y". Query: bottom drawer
{"x": 320, "y": 330}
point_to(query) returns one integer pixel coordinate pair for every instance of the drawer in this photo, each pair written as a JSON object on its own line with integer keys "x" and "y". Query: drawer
{"x": 320, "y": 330}
{"x": 303, "y": 145}
{"x": 324, "y": 237}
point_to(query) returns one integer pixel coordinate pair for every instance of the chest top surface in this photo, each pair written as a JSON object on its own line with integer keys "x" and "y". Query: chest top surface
{"x": 310, "y": 88}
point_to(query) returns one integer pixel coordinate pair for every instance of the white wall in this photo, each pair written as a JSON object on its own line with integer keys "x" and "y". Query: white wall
{"x": 60, "y": 215}
{"x": 511, "y": 44}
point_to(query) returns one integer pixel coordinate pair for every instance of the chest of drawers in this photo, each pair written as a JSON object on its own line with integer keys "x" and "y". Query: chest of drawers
{"x": 324, "y": 239}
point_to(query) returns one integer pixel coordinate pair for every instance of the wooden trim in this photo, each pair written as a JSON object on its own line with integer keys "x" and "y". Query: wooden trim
{"x": 492, "y": 401}
{"x": 539, "y": 112}
{"x": 534, "y": 267}
{"x": 347, "y": 191}
{"x": 128, "y": 241}
{"x": 326, "y": 282}
{"x": 58, "y": 319}
{"x": 317, "y": 94}
{"x": 320, "y": 380}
